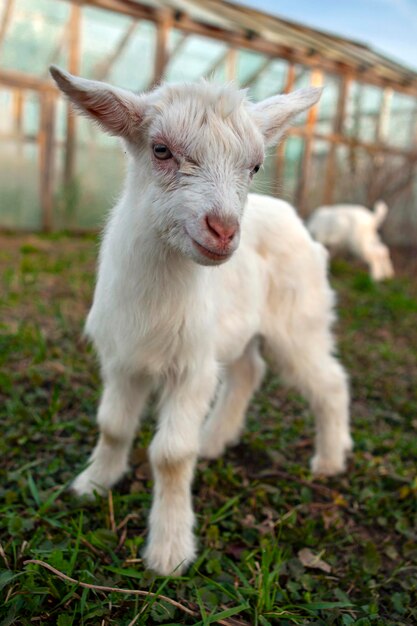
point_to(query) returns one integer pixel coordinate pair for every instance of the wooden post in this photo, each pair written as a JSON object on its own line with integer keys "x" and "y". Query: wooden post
{"x": 18, "y": 101}
{"x": 18, "y": 111}
{"x": 231, "y": 59}
{"x": 163, "y": 27}
{"x": 7, "y": 14}
{"x": 46, "y": 141}
{"x": 331, "y": 172}
{"x": 73, "y": 67}
{"x": 301, "y": 194}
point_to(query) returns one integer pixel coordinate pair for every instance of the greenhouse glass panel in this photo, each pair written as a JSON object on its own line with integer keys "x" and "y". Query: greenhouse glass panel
{"x": 61, "y": 112}
{"x": 248, "y": 63}
{"x": 302, "y": 80}
{"x": 6, "y": 108}
{"x": 134, "y": 67}
{"x": 352, "y": 107}
{"x": 370, "y": 107}
{"x": 101, "y": 34}
{"x": 96, "y": 188}
{"x": 19, "y": 184}
{"x": 19, "y": 161}
{"x": 293, "y": 152}
{"x": 317, "y": 174}
{"x": 363, "y": 108}
{"x": 195, "y": 59}
{"x": 354, "y": 168}
{"x": 402, "y": 120}
{"x": 397, "y": 184}
{"x": 271, "y": 81}
{"x": 31, "y": 114}
{"x": 35, "y": 35}
{"x": 327, "y": 107}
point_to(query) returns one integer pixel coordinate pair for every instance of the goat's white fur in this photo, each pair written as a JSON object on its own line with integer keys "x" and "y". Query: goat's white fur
{"x": 164, "y": 317}
{"x": 354, "y": 229}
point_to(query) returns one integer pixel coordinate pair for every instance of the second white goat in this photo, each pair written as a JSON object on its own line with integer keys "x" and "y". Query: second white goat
{"x": 354, "y": 229}
{"x": 192, "y": 274}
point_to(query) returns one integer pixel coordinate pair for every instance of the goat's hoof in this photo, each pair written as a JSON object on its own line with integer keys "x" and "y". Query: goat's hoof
{"x": 169, "y": 560}
{"x": 348, "y": 446}
{"x": 327, "y": 467}
{"x": 85, "y": 486}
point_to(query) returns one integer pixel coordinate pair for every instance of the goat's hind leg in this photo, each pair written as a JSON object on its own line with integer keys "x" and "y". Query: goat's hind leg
{"x": 121, "y": 404}
{"x": 307, "y": 363}
{"x": 226, "y": 420}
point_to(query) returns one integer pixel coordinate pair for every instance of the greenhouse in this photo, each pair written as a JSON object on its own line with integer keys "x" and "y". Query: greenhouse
{"x": 60, "y": 172}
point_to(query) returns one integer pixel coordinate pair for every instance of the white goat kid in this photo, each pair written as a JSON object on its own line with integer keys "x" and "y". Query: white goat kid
{"x": 354, "y": 229}
{"x": 164, "y": 317}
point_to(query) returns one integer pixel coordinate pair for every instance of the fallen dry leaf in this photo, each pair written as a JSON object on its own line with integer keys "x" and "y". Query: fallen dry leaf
{"x": 309, "y": 559}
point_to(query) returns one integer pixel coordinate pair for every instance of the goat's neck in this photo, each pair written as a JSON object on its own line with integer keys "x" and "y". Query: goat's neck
{"x": 154, "y": 268}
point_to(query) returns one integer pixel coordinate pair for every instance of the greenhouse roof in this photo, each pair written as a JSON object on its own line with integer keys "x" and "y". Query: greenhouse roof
{"x": 35, "y": 33}
{"x": 273, "y": 35}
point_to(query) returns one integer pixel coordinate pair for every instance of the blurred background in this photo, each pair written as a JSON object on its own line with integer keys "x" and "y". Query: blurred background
{"x": 60, "y": 172}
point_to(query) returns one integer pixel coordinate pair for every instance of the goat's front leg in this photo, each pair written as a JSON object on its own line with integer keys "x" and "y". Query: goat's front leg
{"x": 123, "y": 399}
{"x": 173, "y": 453}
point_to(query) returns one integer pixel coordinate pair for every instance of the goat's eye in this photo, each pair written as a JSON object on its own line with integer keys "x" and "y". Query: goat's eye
{"x": 161, "y": 151}
{"x": 256, "y": 169}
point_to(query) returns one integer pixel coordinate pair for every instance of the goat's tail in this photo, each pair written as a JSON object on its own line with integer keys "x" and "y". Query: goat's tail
{"x": 380, "y": 212}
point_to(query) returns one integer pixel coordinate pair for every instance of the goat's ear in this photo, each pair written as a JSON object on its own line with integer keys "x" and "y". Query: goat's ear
{"x": 274, "y": 115}
{"x": 118, "y": 111}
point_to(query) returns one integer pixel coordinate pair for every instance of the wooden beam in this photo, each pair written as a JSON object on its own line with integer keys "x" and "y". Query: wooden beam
{"x": 21, "y": 80}
{"x": 46, "y": 159}
{"x": 102, "y": 69}
{"x": 7, "y": 14}
{"x": 74, "y": 68}
{"x": 126, "y": 7}
{"x": 352, "y": 142}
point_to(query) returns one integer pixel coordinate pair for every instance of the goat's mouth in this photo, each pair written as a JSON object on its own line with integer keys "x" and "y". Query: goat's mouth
{"x": 218, "y": 257}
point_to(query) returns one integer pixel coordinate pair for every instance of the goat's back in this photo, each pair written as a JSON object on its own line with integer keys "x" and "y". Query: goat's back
{"x": 342, "y": 226}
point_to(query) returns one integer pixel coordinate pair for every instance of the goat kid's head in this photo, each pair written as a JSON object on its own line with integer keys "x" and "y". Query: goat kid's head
{"x": 196, "y": 148}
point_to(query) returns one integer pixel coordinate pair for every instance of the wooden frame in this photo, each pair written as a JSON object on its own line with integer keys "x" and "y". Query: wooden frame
{"x": 241, "y": 37}
{"x": 74, "y": 68}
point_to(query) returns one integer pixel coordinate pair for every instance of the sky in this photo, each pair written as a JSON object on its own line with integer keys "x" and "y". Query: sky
{"x": 388, "y": 26}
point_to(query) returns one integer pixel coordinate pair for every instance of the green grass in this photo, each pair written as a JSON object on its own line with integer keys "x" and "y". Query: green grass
{"x": 257, "y": 507}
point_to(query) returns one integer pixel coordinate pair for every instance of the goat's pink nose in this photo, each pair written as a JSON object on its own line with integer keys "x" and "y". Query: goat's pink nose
{"x": 223, "y": 229}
